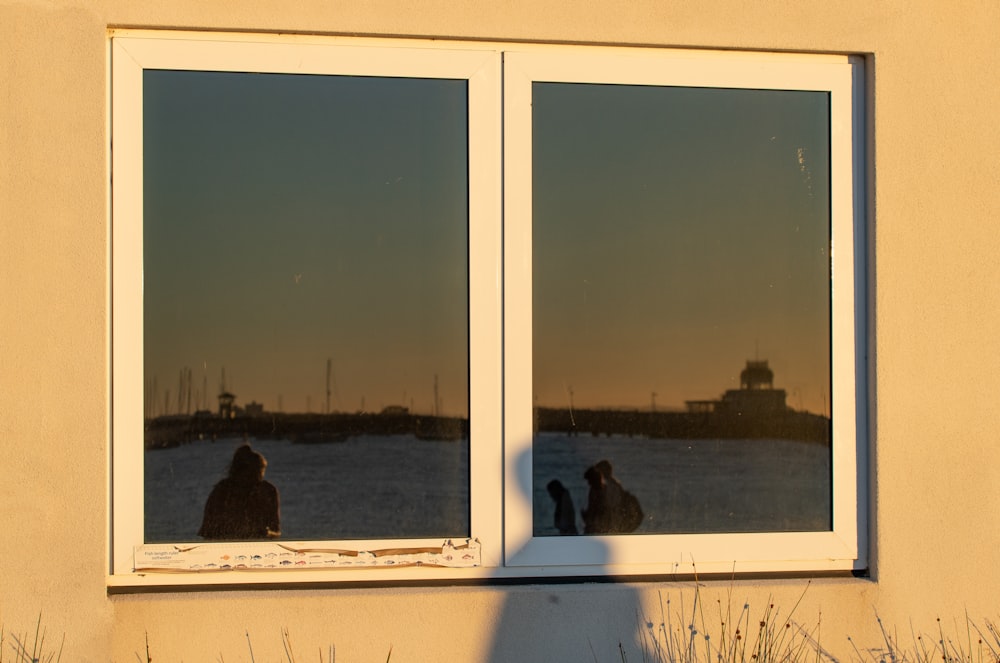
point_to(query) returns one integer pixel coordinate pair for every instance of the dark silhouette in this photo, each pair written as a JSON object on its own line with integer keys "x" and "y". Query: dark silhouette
{"x": 610, "y": 508}
{"x": 755, "y": 411}
{"x": 595, "y": 516}
{"x": 565, "y": 516}
{"x": 243, "y": 505}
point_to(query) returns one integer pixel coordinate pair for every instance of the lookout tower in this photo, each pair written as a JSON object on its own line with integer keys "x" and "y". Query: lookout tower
{"x": 756, "y": 395}
{"x": 226, "y": 401}
{"x": 757, "y": 375}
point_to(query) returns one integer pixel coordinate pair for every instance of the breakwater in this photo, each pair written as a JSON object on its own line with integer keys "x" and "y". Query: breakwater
{"x": 175, "y": 430}
{"x": 781, "y": 425}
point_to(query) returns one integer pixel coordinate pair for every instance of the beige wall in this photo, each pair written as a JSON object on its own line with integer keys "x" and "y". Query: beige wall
{"x": 934, "y": 69}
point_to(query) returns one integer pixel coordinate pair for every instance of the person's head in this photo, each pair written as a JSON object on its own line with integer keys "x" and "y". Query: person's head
{"x": 247, "y": 465}
{"x": 604, "y": 467}
{"x": 593, "y": 477}
{"x": 555, "y": 488}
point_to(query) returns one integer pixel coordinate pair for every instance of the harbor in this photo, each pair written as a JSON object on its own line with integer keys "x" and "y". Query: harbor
{"x": 756, "y": 410}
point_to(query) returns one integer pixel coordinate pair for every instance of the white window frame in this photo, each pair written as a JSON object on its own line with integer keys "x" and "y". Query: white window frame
{"x": 131, "y": 54}
{"x": 839, "y": 76}
{"x": 499, "y": 81}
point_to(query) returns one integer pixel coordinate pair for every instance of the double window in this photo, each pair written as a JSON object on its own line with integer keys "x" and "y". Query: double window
{"x": 438, "y": 310}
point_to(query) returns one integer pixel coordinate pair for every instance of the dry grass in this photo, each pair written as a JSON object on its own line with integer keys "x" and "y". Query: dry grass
{"x": 28, "y": 649}
{"x": 973, "y": 643}
{"x": 720, "y": 632}
{"x": 286, "y": 644}
{"x": 727, "y": 634}
{"x": 723, "y": 633}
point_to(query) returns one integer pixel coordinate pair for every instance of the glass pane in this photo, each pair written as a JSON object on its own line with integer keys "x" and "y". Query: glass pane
{"x": 305, "y": 293}
{"x": 681, "y": 308}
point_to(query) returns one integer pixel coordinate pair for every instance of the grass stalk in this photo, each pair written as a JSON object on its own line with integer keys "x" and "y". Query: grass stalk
{"x": 250, "y": 647}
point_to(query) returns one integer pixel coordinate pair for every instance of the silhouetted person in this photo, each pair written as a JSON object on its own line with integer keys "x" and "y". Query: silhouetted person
{"x": 565, "y": 516}
{"x": 610, "y": 508}
{"x": 595, "y": 516}
{"x": 243, "y": 505}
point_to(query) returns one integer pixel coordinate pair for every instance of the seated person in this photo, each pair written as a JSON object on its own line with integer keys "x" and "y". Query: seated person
{"x": 243, "y": 506}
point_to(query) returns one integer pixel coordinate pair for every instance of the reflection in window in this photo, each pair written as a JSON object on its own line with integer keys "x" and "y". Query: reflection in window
{"x": 305, "y": 291}
{"x": 681, "y": 309}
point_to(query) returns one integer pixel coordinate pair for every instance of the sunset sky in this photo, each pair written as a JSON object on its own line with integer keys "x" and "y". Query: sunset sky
{"x": 294, "y": 219}
{"x": 677, "y": 233}
{"x": 290, "y": 219}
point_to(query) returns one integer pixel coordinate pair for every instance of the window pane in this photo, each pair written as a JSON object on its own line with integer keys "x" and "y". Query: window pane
{"x": 306, "y": 292}
{"x": 681, "y": 309}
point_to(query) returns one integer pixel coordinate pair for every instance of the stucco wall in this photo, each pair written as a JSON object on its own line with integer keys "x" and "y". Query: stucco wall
{"x": 933, "y": 69}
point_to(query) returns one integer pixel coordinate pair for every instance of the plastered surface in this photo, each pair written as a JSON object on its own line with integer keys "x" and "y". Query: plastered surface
{"x": 935, "y": 353}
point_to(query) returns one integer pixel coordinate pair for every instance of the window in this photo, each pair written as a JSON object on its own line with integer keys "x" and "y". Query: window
{"x": 681, "y": 237}
{"x": 243, "y": 311}
{"x": 424, "y": 280}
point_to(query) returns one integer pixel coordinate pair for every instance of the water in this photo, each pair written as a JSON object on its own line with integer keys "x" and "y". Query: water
{"x": 403, "y": 487}
{"x": 365, "y": 487}
{"x": 687, "y": 486}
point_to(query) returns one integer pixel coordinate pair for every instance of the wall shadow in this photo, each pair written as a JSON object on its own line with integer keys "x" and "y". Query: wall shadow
{"x": 566, "y": 618}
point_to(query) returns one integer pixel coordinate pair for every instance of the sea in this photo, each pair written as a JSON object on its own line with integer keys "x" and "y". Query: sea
{"x": 398, "y": 487}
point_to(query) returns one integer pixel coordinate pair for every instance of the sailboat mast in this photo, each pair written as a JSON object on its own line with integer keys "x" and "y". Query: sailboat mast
{"x": 437, "y": 399}
{"x": 329, "y": 370}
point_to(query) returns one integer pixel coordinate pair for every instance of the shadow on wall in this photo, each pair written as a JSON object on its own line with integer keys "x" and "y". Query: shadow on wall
{"x": 585, "y": 621}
